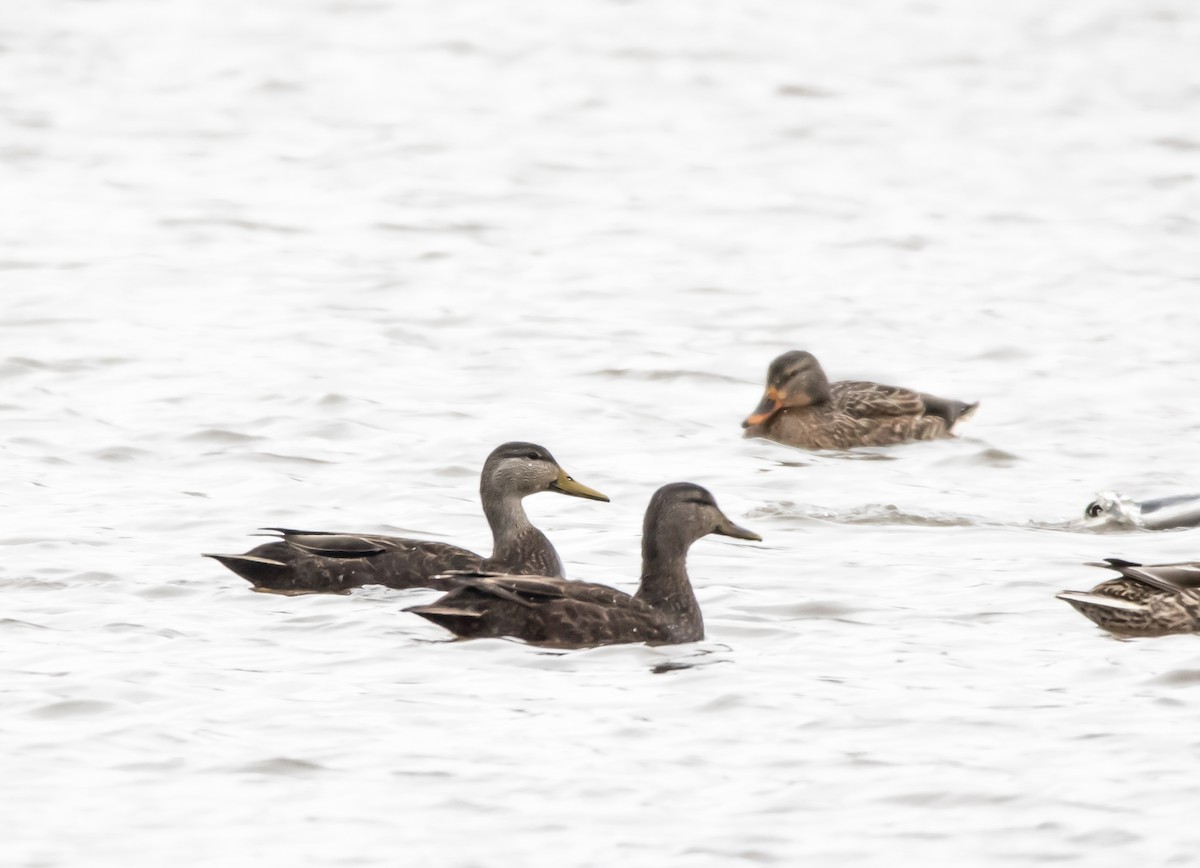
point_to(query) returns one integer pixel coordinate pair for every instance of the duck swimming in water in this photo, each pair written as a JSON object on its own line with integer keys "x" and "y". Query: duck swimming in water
{"x": 320, "y": 562}
{"x": 802, "y": 408}
{"x": 1147, "y": 600}
{"x": 1110, "y": 509}
{"x": 562, "y": 614}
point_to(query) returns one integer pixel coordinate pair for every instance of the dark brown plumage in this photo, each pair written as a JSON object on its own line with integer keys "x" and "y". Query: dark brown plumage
{"x": 319, "y": 562}
{"x": 547, "y": 611}
{"x": 802, "y": 408}
{"x": 1148, "y": 600}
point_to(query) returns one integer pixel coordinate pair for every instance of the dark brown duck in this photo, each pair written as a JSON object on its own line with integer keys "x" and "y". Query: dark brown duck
{"x": 547, "y": 611}
{"x": 1147, "y": 600}
{"x": 320, "y": 562}
{"x": 802, "y": 408}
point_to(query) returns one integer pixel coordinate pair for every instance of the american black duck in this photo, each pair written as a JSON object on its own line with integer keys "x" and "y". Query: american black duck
{"x": 802, "y": 408}
{"x": 1147, "y": 600}
{"x": 320, "y": 562}
{"x": 561, "y": 614}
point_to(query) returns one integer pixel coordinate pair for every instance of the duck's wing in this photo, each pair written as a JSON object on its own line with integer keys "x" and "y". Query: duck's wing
{"x": 541, "y": 610}
{"x": 330, "y": 545}
{"x": 529, "y": 591}
{"x": 522, "y": 590}
{"x": 365, "y": 545}
{"x": 334, "y": 563}
{"x": 863, "y": 400}
{"x": 1114, "y": 563}
{"x": 1171, "y": 578}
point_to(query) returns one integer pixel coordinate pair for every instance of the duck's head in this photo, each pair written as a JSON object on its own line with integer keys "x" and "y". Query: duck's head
{"x": 1106, "y": 504}
{"x": 684, "y": 512}
{"x": 1114, "y": 510}
{"x": 520, "y": 469}
{"x": 794, "y": 379}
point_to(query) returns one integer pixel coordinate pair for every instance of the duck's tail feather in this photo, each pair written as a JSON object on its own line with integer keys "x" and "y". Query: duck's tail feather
{"x": 460, "y": 622}
{"x": 968, "y": 410}
{"x": 1103, "y": 601}
{"x": 255, "y": 570}
{"x": 1113, "y": 564}
{"x": 950, "y": 411}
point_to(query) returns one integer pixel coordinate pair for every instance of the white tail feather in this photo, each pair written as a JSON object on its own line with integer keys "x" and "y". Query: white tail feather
{"x": 1101, "y": 600}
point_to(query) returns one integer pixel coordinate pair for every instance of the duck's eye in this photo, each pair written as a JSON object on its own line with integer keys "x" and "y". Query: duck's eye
{"x": 533, "y": 456}
{"x": 1093, "y": 510}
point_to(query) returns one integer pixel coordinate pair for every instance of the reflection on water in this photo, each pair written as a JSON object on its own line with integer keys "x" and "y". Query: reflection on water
{"x": 306, "y": 264}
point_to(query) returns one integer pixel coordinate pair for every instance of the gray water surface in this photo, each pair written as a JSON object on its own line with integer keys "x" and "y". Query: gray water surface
{"x": 306, "y": 263}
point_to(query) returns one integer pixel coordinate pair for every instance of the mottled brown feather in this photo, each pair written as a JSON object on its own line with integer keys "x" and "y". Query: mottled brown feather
{"x": 1165, "y": 598}
{"x": 813, "y": 413}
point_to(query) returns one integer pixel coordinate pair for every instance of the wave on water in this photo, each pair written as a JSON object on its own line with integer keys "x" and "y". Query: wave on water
{"x": 220, "y": 436}
{"x": 989, "y": 456}
{"x": 22, "y": 364}
{"x": 883, "y": 514}
{"x": 1178, "y": 678}
{"x": 790, "y": 610}
{"x": 872, "y": 514}
{"x": 664, "y": 375}
{"x": 280, "y": 765}
{"x": 287, "y": 459}
{"x": 691, "y": 661}
{"x": 1083, "y": 525}
{"x": 818, "y": 457}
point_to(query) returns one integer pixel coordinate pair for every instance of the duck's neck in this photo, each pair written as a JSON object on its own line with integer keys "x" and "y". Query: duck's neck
{"x": 518, "y": 546}
{"x": 665, "y": 584}
{"x": 815, "y": 390}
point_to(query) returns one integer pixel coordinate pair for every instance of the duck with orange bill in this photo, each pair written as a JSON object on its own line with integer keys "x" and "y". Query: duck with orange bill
{"x": 802, "y": 408}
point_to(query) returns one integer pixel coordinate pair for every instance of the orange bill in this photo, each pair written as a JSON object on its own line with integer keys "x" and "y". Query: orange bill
{"x": 767, "y": 407}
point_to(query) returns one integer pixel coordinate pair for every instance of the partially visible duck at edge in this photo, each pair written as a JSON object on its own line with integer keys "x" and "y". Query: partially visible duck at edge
{"x": 1112, "y": 510}
{"x": 1147, "y": 600}
{"x": 321, "y": 562}
{"x": 561, "y": 614}
{"x": 802, "y": 408}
